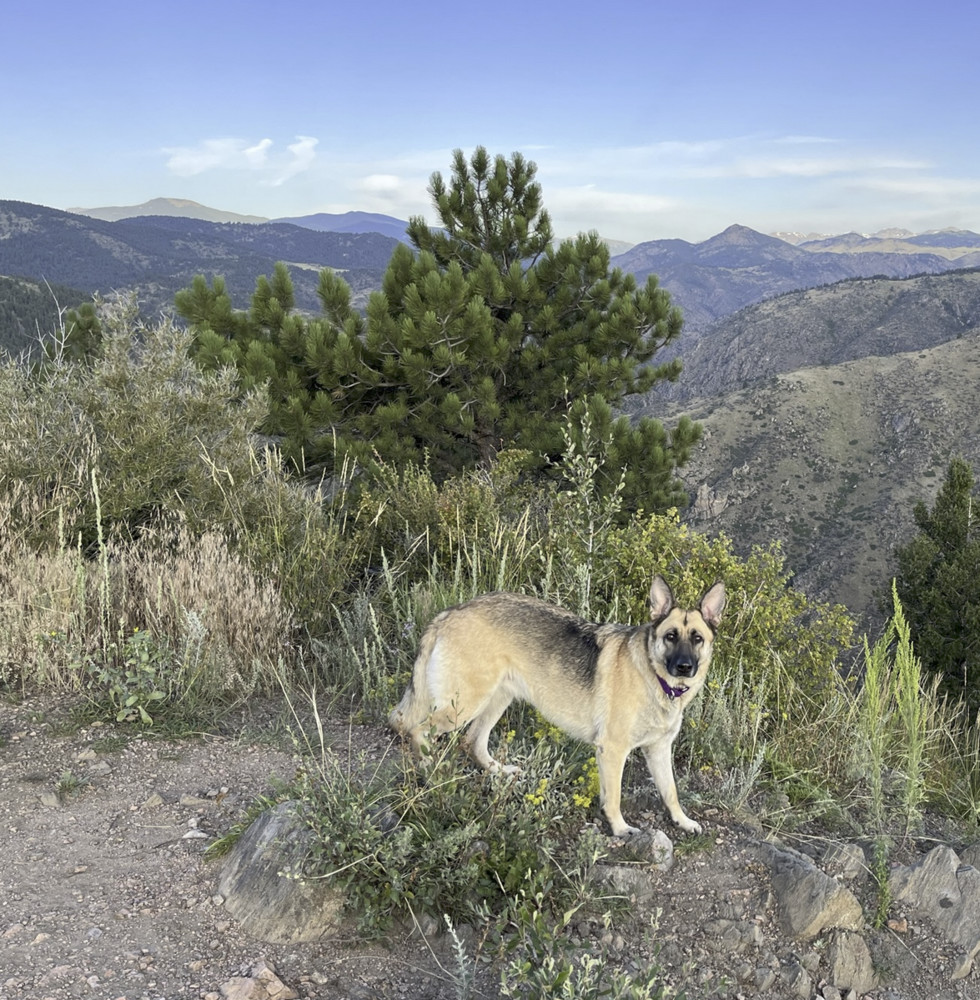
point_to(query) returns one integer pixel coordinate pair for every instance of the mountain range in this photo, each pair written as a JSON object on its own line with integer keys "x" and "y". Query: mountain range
{"x": 156, "y": 256}
{"x": 826, "y": 414}
{"x": 834, "y": 378}
{"x": 740, "y": 266}
{"x": 346, "y": 222}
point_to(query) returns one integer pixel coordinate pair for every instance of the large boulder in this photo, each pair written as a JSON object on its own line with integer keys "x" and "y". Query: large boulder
{"x": 947, "y": 892}
{"x": 809, "y": 900}
{"x": 263, "y": 888}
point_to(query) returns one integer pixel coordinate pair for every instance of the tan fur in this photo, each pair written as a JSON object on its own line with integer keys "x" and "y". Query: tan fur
{"x": 597, "y": 682}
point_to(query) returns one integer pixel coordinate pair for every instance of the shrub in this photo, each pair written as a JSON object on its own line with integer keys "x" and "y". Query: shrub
{"x": 134, "y": 502}
{"x": 403, "y": 842}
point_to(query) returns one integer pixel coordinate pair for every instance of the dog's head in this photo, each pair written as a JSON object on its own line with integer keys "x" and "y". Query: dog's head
{"x": 683, "y": 638}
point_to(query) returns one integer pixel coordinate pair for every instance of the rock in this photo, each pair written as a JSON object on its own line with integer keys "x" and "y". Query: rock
{"x": 796, "y": 978}
{"x": 732, "y": 936}
{"x": 632, "y": 882}
{"x": 263, "y": 984}
{"x": 655, "y": 847}
{"x": 651, "y": 848}
{"x": 194, "y": 802}
{"x": 846, "y": 861}
{"x": 851, "y": 966}
{"x": 971, "y": 855}
{"x": 948, "y": 893}
{"x": 809, "y": 900}
{"x": 269, "y": 906}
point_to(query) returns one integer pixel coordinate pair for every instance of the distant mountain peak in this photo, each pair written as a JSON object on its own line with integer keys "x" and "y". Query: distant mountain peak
{"x": 736, "y": 231}
{"x": 739, "y": 235}
{"x": 893, "y": 233}
{"x": 180, "y": 208}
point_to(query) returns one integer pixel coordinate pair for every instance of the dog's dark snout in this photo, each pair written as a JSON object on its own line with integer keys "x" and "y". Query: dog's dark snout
{"x": 683, "y": 662}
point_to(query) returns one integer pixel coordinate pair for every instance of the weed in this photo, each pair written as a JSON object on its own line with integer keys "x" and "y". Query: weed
{"x": 69, "y": 784}
{"x": 134, "y": 678}
{"x": 544, "y": 963}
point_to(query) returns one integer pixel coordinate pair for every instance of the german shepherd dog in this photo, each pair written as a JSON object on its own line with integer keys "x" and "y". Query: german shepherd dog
{"x": 616, "y": 686}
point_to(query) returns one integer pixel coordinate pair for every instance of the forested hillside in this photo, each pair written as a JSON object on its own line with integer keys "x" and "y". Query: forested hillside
{"x": 29, "y": 310}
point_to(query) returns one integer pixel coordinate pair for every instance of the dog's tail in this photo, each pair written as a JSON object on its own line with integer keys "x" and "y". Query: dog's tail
{"x": 415, "y": 706}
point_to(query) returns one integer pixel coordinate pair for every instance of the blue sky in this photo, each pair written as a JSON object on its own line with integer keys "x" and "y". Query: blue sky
{"x": 646, "y": 121}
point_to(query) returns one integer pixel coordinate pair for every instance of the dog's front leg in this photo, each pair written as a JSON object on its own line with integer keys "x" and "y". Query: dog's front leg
{"x": 661, "y": 767}
{"x": 610, "y": 760}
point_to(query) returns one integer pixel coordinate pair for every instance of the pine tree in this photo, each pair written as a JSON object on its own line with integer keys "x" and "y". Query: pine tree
{"x": 938, "y": 582}
{"x": 489, "y": 336}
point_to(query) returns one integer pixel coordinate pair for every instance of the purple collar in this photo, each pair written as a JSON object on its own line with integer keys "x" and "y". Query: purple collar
{"x": 672, "y": 692}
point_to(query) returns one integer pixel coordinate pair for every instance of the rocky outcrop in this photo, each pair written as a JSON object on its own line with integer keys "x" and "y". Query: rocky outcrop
{"x": 946, "y": 891}
{"x": 262, "y": 887}
{"x": 809, "y": 900}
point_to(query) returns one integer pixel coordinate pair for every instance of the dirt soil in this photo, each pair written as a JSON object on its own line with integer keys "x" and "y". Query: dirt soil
{"x": 105, "y": 891}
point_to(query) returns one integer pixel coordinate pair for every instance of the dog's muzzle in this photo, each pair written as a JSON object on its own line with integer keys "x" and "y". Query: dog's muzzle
{"x": 682, "y": 662}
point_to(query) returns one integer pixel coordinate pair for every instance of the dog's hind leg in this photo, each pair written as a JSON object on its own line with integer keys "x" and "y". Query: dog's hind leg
{"x": 478, "y": 734}
{"x": 661, "y": 767}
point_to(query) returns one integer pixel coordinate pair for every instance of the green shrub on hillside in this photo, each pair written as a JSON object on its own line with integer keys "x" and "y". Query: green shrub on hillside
{"x": 939, "y": 584}
{"x": 111, "y": 447}
{"x": 133, "y": 501}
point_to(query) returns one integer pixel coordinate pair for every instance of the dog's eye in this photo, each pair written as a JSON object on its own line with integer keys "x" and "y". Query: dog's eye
{"x": 696, "y": 639}
{"x": 671, "y": 636}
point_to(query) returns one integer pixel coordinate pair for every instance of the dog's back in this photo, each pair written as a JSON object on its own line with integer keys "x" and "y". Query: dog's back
{"x": 489, "y": 651}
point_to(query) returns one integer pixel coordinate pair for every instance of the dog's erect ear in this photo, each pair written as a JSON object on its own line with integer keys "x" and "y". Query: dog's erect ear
{"x": 661, "y": 599}
{"x": 712, "y": 605}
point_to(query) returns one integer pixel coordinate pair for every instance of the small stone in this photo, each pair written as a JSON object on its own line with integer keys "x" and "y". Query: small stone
{"x": 154, "y": 801}
{"x": 264, "y": 971}
{"x": 193, "y": 801}
{"x": 796, "y": 979}
{"x": 50, "y": 799}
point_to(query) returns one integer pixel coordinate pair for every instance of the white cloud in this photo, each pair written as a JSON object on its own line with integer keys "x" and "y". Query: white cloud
{"x": 238, "y": 154}
{"x": 303, "y": 153}
{"x": 212, "y": 154}
{"x": 255, "y": 155}
{"x": 380, "y": 184}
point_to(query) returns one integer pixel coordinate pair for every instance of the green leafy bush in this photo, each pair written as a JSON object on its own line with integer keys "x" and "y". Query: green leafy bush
{"x": 441, "y": 838}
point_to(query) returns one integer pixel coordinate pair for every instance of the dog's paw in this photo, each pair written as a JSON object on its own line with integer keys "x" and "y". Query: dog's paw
{"x": 509, "y": 769}
{"x": 688, "y": 825}
{"x": 625, "y": 831}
